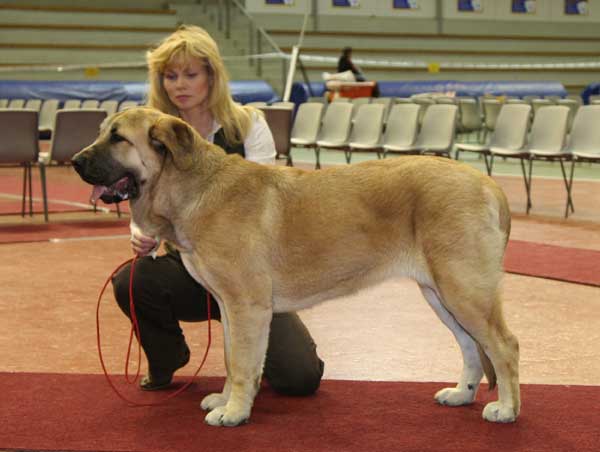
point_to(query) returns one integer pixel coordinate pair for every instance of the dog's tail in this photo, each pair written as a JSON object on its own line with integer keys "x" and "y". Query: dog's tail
{"x": 488, "y": 368}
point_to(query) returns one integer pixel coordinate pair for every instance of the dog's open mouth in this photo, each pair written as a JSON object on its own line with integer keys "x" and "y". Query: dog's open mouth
{"x": 123, "y": 189}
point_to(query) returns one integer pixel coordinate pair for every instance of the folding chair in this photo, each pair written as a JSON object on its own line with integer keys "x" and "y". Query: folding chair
{"x": 19, "y": 146}
{"x": 387, "y": 102}
{"x": 401, "y": 129}
{"x": 47, "y": 116}
{"x": 584, "y": 143}
{"x": 491, "y": 110}
{"x": 72, "y": 104}
{"x": 127, "y": 104}
{"x": 509, "y": 134}
{"x": 16, "y": 103}
{"x": 284, "y": 104}
{"x": 573, "y": 107}
{"x": 469, "y": 117}
{"x": 90, "y": 104}
{"x": 436, "y": 135}
{"x": 366, "y": 131}
{"x": 335, "y": 129}
{"x": 256, "y": 104}
{"x": 74, "y": 129}
{"x": 306, "y": 125}
{"x": 33, "y": 104}
{"x": 109, "y": 106}
{"x": 547, "y": 137}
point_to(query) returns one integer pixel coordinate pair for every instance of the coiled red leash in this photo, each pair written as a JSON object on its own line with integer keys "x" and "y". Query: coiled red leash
{"x": 135, "y": 327}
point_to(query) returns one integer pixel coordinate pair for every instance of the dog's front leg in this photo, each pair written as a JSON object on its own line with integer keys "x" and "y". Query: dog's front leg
{"x": 246, "y": 343}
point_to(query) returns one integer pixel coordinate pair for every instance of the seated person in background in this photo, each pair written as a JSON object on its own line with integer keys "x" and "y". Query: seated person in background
{"x": 345, "y": 64}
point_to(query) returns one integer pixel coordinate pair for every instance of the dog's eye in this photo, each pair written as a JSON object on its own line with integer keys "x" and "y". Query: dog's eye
{"x": 116, "y": 138}
{"x": 158, "y": 146}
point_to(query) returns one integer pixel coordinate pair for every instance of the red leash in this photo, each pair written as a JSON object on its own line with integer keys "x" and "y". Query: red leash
{"x": 135, "y": 326}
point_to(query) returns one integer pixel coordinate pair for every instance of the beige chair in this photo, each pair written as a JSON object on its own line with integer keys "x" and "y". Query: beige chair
{"x": 109, "y": 106}
{"x": 546, "y": 139}
{"x": 71, "y": 104}
{"x": 469, "y": 117}
{"x": 74, "y": 129}
{"x": 510, "y": 133}
{"x": 256, "y": 104}
{"x": 16, "y": 103}
{"x": 284, "y": 104}
{"x": 90, "y": 104}
{"x": 19, "y": 147}
{"x": 491, "y": 110}
{"x": 436, "y": 135}
{"x": 127, "y": 104}
{"x": 536, "y": 104}
{"x": 367, "y": 129}
{"x": 3, "y": 103}
{"x": 341, "y": 100}
{"x": 33, "y": 104}
{"x": 584, "y": 144}
{"x": 307, "y": 124}
{"x": 387, "y": 103}
{"x": 335, "y": 129}
{"x": 357, "y": 102}
{"x": 573, "y": 106}
{"x": 47, "y": 115}
{"x": 279, "y": 120}
{"x": 402, "y": 127}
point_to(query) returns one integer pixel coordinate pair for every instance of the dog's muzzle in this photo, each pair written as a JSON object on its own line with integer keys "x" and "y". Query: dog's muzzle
{"x": 111, "y": 184}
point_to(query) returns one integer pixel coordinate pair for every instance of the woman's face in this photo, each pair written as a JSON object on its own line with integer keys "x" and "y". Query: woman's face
{"x": 187, "y": 83}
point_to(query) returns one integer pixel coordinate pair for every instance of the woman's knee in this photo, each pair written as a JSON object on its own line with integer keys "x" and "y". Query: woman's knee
{"x": 143, "y": 284}
{"x": 301, "y": 380}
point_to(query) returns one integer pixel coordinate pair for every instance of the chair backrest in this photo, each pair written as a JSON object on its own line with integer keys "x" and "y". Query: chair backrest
{"x": 109, "y": 106}
{"x": 358, "y": 102}
{"x": 585, "y": 134}
{"x": 279, "y": 120}
{"x": 19, "y": 132}
{"x": 402, "y": 125}
{"x": 3, "y": 103}
{"x": 573, "y": 107}
{"x": 257, "y": 104}
{"x": 511, "y": 127}
{"x": 16, "y": 103}
{"x": 491, "y": 110}
{"x": 540, "y": 103}
{"x": 71, "y": 104}
{"x": 439, "y": 125}
{"x": 368, "y": 125}
{"x": 337, "y": 122}
{"x": 90, "y": 103}
{"x": 73, "y": 131}
{"x": 549, "y": 128}
{"x": 340, "y": 100}
{"x": 127, "y": 104}
{"x": 307, "y": 121}
{"x": 445, "y": 100}
{"x": 34, "y": 104}
{"x": 469, "y": 114}
{"x": 48, "y": 113}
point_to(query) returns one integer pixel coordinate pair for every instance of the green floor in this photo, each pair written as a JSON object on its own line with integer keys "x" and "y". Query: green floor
{"x": 501, "y": 167}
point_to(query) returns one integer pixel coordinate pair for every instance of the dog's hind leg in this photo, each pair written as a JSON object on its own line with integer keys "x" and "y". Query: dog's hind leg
{"x": 477, "y": 307}
{"x": 465, "y": 391}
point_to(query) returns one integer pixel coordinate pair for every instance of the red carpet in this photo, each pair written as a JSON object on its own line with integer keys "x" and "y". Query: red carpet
{"x": 67, "y": 230}
{"x": 80, "y": 412}
{"x": 553, "y": 262}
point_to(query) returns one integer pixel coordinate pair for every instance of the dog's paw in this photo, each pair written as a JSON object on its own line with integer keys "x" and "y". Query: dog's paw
{"x": 222, "y": 416}
{"x": 455, "y": 396}
{"x": 496, "y": 412}
{"x": 212, "y": 401}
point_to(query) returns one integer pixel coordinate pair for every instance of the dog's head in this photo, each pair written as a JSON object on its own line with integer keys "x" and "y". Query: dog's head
{"x": 131, "y": 151}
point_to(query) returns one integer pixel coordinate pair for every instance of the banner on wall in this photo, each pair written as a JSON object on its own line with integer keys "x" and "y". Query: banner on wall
{"x": 405, "y": 4}
{"x": 279, "y": 2}
{"x": 474, "y": 6}
{"x": 576, "y": 7}
{"x": 524, "y": 6}
{"x": 346, "y": 3}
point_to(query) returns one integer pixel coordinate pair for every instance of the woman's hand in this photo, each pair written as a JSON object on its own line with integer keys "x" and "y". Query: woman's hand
{"x": 141, "y": 244}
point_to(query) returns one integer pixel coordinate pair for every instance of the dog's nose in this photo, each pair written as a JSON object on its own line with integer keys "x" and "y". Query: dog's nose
{"x": 79, "y": 162}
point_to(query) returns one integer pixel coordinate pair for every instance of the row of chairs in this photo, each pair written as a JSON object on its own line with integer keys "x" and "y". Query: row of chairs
{"x": 74, "y": 129}
{"x": 48, "y": 108}
{"x": 548, "y": 140}
{"x": 337, "y": 131}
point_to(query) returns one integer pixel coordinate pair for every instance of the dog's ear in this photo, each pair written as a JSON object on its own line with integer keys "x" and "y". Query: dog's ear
{"x": 172, "y": 135}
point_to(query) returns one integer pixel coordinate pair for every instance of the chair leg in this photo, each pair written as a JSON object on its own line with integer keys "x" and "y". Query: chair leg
{"x": 30, "y": 191}
{"x": 25, "y": 167}
{"x": 289, "y": 160}
{"x": 491, "y": 164}
{"x": 570, "y": 188}
{"x": 527, "y": 182}
{"x": 118, "y": 210}
{"x": 569, "y": 199}
{"x": 318, "y": 158}
{"x": 348, "y": 154}
{"x": 488, "y": 167}
{"x": 44, "y": 194}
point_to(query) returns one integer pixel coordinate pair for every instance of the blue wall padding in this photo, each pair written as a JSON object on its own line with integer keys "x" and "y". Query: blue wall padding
{"x": 243, "y": 91}
{"x": 471, "y": 88}
{"x": 591, "y": 89}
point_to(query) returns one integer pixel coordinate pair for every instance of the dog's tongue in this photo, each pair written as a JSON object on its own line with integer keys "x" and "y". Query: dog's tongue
{"x": 98, "y": 191}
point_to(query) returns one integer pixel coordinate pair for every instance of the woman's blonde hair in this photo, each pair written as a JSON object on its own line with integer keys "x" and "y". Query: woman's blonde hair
{"x": 189, "y": 42}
